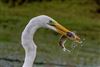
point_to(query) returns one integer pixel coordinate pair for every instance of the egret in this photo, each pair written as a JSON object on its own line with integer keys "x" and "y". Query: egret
{"x": 29, "y": 31}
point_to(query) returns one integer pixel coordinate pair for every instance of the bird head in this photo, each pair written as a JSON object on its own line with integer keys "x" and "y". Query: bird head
{"x": 50, "y": 23}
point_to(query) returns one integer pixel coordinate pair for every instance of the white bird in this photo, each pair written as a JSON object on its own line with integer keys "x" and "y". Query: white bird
{"x": 29, "y": 31}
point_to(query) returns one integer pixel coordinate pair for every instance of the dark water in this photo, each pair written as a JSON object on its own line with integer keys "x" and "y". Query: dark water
{"x": 5, "y": 63}
{"x": 12, "y": 56}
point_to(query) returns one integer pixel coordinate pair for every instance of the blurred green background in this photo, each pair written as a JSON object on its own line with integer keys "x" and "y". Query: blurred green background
{"x": 81, "y": 16}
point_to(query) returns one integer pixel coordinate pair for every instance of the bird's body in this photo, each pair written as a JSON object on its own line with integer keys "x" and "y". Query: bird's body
{"x": 28, "y": 34}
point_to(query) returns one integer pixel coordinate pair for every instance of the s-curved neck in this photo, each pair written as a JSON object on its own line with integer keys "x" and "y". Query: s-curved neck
{"x": 28, "y": 44}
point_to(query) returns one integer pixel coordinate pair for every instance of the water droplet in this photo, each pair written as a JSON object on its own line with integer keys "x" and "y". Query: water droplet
{"x": 81, "y": 45}
{"x": 82, "y": 42}
{"x": 83, "y": 39}
{"x": 73, "y": 45}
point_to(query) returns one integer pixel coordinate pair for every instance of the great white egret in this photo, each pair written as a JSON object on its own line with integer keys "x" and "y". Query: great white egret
{"x": 30, "y": 29}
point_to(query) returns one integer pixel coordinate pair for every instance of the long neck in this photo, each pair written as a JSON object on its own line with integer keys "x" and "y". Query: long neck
{"x": 29, "y": 45}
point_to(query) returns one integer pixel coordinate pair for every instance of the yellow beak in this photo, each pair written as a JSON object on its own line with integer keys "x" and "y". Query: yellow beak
{"x": 60, "y": 29}
{"x": 63, "y": 31}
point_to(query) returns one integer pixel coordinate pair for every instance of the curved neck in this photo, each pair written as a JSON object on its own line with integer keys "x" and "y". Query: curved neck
{"x": 28, "y": 44}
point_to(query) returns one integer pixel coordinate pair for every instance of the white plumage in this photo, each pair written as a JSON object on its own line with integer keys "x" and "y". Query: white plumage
{"x": 28, "y": 34}
{"x": 27, "y": 37}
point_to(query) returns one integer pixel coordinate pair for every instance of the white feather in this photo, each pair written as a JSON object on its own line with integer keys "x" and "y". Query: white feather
{"x": 28, "y": 34}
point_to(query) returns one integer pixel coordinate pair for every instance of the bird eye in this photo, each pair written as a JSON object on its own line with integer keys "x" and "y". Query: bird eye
{"x": 51, "y": 23}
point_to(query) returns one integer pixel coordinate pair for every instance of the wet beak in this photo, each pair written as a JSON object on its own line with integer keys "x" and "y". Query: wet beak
{"x": 63, "y": 31}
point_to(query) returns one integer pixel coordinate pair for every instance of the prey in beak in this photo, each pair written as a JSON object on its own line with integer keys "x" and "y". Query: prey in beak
{"x": 65, "y": 33}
